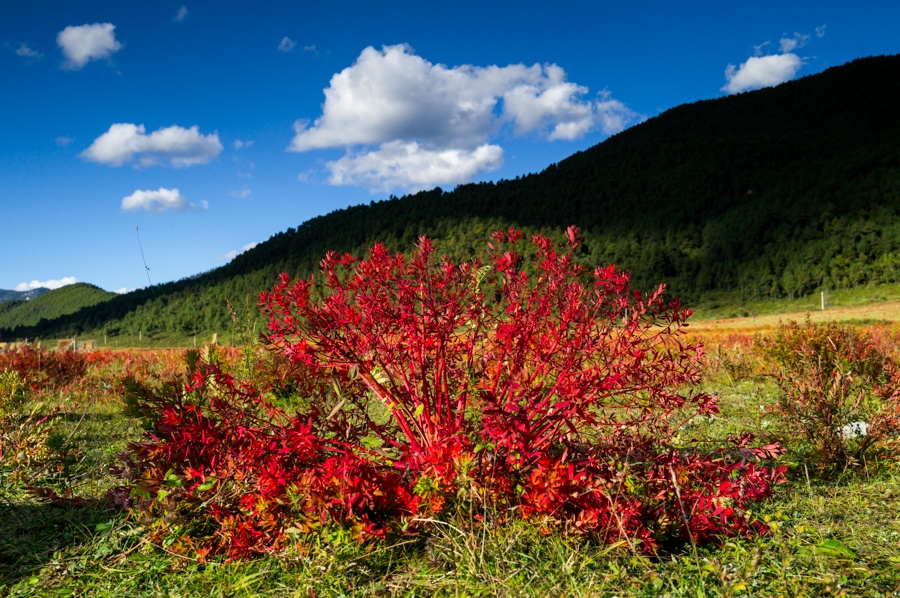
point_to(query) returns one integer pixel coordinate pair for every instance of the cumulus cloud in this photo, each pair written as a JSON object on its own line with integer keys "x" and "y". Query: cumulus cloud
{"x": 236, "y": 252}
{"x": 240, "y": 144}
{"x": 772, "y": 69}
{"x": 159, "y": 201}
{"x": 409, "y": 165}
{"x": 287, "y": 45}
{"x": 242, "y": 194}
{"x": 176, "y": 146}
{"x": 410, "y": 123}
{"x": 46, "y": 284}
{"x": 84, "y": 43}
{"x": 182, "y": 14}
{"x": 761, "y": 71}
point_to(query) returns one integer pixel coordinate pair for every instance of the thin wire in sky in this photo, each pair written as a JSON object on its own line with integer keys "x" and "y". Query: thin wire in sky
{"x": 143, "y": 259}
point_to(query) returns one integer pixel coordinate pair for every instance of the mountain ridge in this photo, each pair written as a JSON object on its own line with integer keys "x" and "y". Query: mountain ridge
{"x": 770, "y": 193}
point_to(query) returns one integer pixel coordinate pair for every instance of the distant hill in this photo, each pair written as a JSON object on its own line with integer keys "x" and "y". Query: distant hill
{"x": 767, "y": 194}
{"x": 21, "y": 295}
{"x": 49, "y": 305}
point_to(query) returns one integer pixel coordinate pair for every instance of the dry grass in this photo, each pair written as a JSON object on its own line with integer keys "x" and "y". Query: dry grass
{"x": 860, "y": 314}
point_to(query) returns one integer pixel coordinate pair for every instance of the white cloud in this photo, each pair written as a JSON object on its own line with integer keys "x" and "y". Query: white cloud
{"x": 122, "y": 291}
{"x": 239, "y": 144}
{"x": 159, "y": 201}
{"x": 236, "y": 252}
{"x": 614, "y": 117}
{"x": 287, "y": 45}
{"x": 174, "y": 145}
{"x": 46, "y": 284}
{"x": 84, "y": 43}
{"x": 758, "y": 50}
{"x": 242, "y": 194}
{"x": 64, "y": 141}
{"x": 761, "y": 71}
{"x": 769, "y": 70}
{"x": 182, "y": 14}
{"x": 789, "y": 44}
{"x": 408, "y": 165}
{"x": 26, "y": 51}
{"x": 431, "y": 124}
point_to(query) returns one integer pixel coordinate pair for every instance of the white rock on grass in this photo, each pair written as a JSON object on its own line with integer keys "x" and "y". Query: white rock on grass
{"x": 855, "y": 430}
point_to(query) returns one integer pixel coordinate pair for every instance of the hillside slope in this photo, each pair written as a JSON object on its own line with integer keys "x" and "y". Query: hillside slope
{"x": 771, "y": 193}
{"x": 51, "y": 305}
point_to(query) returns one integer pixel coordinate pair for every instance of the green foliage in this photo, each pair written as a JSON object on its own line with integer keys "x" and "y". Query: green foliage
{"x": 12, "y": 391}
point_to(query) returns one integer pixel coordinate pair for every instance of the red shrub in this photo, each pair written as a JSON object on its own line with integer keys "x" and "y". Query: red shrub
{"x": 45, "y": 370}
{"x": 542, "y": 386}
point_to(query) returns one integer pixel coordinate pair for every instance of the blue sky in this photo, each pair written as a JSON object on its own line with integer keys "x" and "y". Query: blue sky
{"x": 192, "y": 130}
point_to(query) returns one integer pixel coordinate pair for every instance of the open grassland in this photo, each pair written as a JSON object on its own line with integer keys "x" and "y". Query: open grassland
{"x": 836, "y": 534}
{"x": 886, "y": 313}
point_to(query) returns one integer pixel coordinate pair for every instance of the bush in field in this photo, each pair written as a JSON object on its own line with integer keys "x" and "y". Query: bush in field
{"x": 25, "y": 437}
{"x": 549, "y": 392}
{"x": 45, "y": 371}
{"x": 841, "y": 389}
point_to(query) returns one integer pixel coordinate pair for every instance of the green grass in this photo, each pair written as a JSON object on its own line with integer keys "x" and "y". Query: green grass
{"x": 828, "y": 537}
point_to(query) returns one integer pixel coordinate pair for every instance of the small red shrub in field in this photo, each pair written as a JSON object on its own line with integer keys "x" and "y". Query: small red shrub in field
{"x": 841, "y": 388}
{"x": 541, "y": 390}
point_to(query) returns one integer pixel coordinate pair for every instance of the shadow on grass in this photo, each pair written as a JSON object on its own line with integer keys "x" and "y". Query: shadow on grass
{"x": 31, "y": 533}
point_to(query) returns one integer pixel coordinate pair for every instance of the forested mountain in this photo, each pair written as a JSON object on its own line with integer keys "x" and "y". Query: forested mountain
{"x": 21, "y": 295}
{"x": 51, "y": 304}
{"x": 771, "y": 193}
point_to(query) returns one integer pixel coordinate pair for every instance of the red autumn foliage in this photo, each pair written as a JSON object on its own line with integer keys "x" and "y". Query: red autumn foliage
{"x": 45, "y": 370}
{"x": 537, "y": 389}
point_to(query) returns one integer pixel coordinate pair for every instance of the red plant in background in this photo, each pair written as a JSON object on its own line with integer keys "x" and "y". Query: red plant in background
{"x": 45, "y": 370}
{"x": 534, "y": 384}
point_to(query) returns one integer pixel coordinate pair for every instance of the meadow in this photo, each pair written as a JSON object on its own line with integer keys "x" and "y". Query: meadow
{"x": 771, "y": 469}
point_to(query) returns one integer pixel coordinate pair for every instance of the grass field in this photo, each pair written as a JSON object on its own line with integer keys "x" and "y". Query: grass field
{"x": 834, "y": 535}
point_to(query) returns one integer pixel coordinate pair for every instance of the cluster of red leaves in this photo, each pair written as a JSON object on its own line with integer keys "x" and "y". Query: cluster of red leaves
{"x": 229, "y": 473}
{"x": 537, "y": 388}
{"x": 45, "y": 371}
